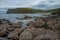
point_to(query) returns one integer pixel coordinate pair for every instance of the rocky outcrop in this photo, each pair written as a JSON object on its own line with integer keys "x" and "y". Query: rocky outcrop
{"x": 40, "y": 29}
{"x": 25, "y": 36}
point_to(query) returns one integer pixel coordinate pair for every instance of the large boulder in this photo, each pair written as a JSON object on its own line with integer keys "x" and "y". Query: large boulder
{"x": 18, "y": 30}
{"x": 36, "y": 31}
{"x": 25, "y": 36}
{"x": 3, "y": 32}
{"x": 15, "y": 33}
{"x": 36, "y": 24}
{"x": 13, "y": 36}
{"x": 47, "y": 37}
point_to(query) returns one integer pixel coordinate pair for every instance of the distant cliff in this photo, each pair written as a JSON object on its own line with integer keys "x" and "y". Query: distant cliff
{"x": 30, "y": 10}
{"x": 24, "y": 10}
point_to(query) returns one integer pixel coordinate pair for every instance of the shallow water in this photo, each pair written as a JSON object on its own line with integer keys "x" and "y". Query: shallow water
{"x": 13, "y": 16}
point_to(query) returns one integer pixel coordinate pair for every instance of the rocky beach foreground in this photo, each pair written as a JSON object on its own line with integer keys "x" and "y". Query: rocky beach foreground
{"x": 42, "y": 28}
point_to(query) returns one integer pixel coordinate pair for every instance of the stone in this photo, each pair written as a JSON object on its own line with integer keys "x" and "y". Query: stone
{"x": 36, "y": 24}
{"x": 25, "y": 36}
{"x": 9, "y": 27}
{"x": 3, "y": 32}
{"x": 1, "y": 38}
{"x": 46, "y": 37}
{"x": 16, "y": 25}
{"x": 13, "y": 36}
{"x": 36, "y": 31}
{"x": 18, "y": 30}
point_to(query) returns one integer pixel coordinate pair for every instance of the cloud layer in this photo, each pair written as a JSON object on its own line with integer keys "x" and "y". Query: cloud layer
{"x": 27, "y": 3}
{"x": 17, "y": 3}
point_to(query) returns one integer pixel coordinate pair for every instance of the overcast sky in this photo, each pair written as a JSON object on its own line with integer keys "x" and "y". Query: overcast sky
{"x": 26, "y": 3}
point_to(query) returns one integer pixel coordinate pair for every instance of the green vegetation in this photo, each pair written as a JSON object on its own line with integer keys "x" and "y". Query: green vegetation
{"x": 30, "y": 10}
{"x": 54, "y": 10}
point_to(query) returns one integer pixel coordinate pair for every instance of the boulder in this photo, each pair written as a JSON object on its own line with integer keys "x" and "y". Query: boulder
{"x": 9, "y": 27}
{"x": 3, "y": 32}
{"x": 18, "y": 30}
{"x": 1, "y": 38}
{"x": 13, "y": 36}
{"x": 25, "y": 36}
{"x": 36, "y": 24}
{"x": 16, "y": 25}
{"x": 36, "y": 31}
{"x": 46, "y": 37}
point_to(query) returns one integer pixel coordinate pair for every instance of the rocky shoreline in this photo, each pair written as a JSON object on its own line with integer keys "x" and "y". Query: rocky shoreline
{"x": 47, "y": 28}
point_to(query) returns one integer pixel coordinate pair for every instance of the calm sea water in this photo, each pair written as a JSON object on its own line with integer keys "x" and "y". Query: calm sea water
{"x": 13, "y": 16}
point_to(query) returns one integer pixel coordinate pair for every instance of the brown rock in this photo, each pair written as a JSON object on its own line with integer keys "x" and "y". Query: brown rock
{"x": 3, "y": 31}
{"x": 16, "y": 25}
{"x": 9, "y": 27}
{"x": 18, "y": 30}
{"x": 25, "y": 36}
{"x": 36, "y": 24}
{"x": 46, "y": 37}
{"x": 13, "y": 36}
{"x": 36, "y": 31}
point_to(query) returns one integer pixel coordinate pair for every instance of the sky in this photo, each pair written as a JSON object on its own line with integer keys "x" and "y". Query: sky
{"x": 26, "y": 3}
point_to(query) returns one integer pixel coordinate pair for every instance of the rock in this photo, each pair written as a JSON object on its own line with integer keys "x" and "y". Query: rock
{"x": 25, "y": 36}
{"x": 47, "y": 34}
{"x": 1, "y": 28}
{"x": 46, "y": 37}
{"x": 16, "y": 25}
{"x": 36, "y": 31}
{"x": 53, "y": 25}
{"x": 36, "y": 24}
{"x": 8, "y": 27}
{"x": 3, "y": 32}
{"x": 15, "y": 33}
{"x": 18, "y": 30}
{"x": 1, "y": 38}
{"x": 13, "y": 36}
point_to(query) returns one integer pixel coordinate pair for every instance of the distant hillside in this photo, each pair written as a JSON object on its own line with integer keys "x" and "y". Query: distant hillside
{"x": 24, "y": 10}
{"x": 30, "y": 10}
{"x": 54, "y": 10}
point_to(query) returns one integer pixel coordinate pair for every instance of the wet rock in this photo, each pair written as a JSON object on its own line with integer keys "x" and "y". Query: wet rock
{"x": 25, "y": 36}
{"x": 1, "y": 38}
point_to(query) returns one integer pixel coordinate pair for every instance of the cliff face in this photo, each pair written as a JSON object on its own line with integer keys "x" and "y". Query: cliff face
{"x": 23, "y": 10}
{"x": 30, "y": 10}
